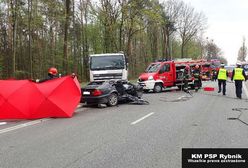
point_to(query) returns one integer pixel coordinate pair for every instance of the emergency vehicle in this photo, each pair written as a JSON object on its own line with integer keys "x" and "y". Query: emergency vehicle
{"x": 206, "y": 70}
{"x": 160, "y": 75}
{"x": 207, "y": 67}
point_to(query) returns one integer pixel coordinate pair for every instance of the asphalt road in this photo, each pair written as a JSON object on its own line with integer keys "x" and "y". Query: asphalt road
{"x": 129, "y": 136}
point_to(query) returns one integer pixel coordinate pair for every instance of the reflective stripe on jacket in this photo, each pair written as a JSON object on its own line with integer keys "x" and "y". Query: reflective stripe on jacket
{"x": 238, "y": 75}
{"x": 222, "y": 74}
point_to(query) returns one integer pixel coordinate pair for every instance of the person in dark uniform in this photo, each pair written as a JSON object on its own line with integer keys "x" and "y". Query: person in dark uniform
{"x": 52, "y": 74}
{"x": 197, "y": 78}
{"x": 222, "y": 75}
{"x": 214, "y": 75}
{"x": 186, "y": 75}
{"x": 238, "y": 76}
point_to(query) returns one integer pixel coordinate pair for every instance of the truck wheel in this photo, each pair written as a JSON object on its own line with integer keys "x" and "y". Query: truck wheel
{"x": 157, "y": 88}
{"x": 112, "y": 100}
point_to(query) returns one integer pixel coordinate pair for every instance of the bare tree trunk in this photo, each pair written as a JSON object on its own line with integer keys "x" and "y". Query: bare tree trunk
{"x": 120, "y": 34}
{"x": 13, "y": 4}
{"x": 182, "y": 50}
{"x": 164, "y": 45}
{"x": 85, "y": 40}
{"x": 75, "y": 67}
{"x": 10, "y": 38}
{"x": 29, "y": 37}
{"x": 166, "y": 51}
{"x": 129, "y": 51}
{"x": 66, "y": 26}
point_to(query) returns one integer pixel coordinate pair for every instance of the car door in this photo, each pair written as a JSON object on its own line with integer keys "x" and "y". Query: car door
{"x": 166, "y": 74}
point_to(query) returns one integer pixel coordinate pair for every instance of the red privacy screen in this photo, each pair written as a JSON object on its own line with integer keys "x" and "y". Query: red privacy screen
{"x": 24, "y": 99}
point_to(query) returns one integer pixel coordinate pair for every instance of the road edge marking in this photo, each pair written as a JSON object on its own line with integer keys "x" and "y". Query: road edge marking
{"x": 3, "y": 123}
{"x": 23, "y": 125}
{"x": 142, "y": 118}
{"x": 245, "y": 89}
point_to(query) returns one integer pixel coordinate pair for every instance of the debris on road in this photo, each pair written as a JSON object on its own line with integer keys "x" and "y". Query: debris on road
{"x": 242, "y": 117}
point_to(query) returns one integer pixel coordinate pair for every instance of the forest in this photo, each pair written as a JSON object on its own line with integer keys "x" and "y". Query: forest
{"x": 38, "y": 34}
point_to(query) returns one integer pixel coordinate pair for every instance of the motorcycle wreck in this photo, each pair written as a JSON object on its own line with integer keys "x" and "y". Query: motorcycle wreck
{"x": 112, "y": 92}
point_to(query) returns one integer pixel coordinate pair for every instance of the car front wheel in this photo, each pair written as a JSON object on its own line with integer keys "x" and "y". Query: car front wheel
{"x": 157, "y": 88}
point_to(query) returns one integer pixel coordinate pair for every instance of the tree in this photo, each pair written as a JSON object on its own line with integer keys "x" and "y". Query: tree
{"x": 242, "y": 52}
{"x": 85, "y": 36}
{"x": 189, "y": 23}
{"x": 170, "y": 14}
{"x": 37, "y": 34}
{"x": 212, "y": 50}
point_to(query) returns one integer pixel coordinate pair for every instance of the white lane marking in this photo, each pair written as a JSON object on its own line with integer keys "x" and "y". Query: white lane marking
{"x": 3, "y": 123}
{"x": 246, "y": 92}
{"x": 142, "y": 118}
{"x": 23, "y": 125}
{"x": 181, "y": 97}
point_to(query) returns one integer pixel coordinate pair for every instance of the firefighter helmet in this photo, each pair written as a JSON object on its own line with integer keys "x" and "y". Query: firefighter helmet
{"x": 187, "y": 67}
{"x": 52, "y": 71}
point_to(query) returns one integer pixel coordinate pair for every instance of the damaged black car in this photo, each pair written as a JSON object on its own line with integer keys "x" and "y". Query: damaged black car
{"x": 112, "y": 92}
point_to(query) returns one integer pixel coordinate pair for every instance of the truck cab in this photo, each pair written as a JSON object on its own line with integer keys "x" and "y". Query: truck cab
{"x": 112, "y": 66}
{"x": 159, "y": 75}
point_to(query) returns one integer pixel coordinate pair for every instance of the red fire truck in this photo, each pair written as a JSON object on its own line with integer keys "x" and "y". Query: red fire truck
{"x": 206, "y": 70}
{"x": 161, "y": 75}
{"x": 207, "y": 67}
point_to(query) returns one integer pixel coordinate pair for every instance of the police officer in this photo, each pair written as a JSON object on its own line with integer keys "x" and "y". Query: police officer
{"x": 222, "y": 77}
{"x": 238, "y": 76}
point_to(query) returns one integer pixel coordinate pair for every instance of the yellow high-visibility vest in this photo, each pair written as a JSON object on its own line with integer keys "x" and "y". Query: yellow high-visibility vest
{"x": 238, "y": 75}
{"x": 222, "y": 74}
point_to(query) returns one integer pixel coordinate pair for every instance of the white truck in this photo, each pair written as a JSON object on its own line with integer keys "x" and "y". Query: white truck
{"x": 112, "y": 66}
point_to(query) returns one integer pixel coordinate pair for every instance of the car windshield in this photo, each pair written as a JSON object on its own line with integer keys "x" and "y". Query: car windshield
{"x": 152, "y": 68}
{"x": 107, "y": 62}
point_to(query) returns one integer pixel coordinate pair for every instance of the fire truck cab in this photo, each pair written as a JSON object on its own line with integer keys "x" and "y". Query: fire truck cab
{"x": 160, "y": 75}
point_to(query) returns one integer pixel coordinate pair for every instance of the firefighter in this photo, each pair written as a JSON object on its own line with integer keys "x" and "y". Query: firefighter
{"x": 197, "y": 77}
{"x": 52, "y": 74}
{"x": 222, "y": 75}
{"x": 214, "y": 75}
{"x": 186, "y": 75}
{"x": 238, "y": 76}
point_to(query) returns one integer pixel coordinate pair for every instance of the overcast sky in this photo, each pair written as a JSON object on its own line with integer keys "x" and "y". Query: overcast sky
{"x": 227, "y": 23}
